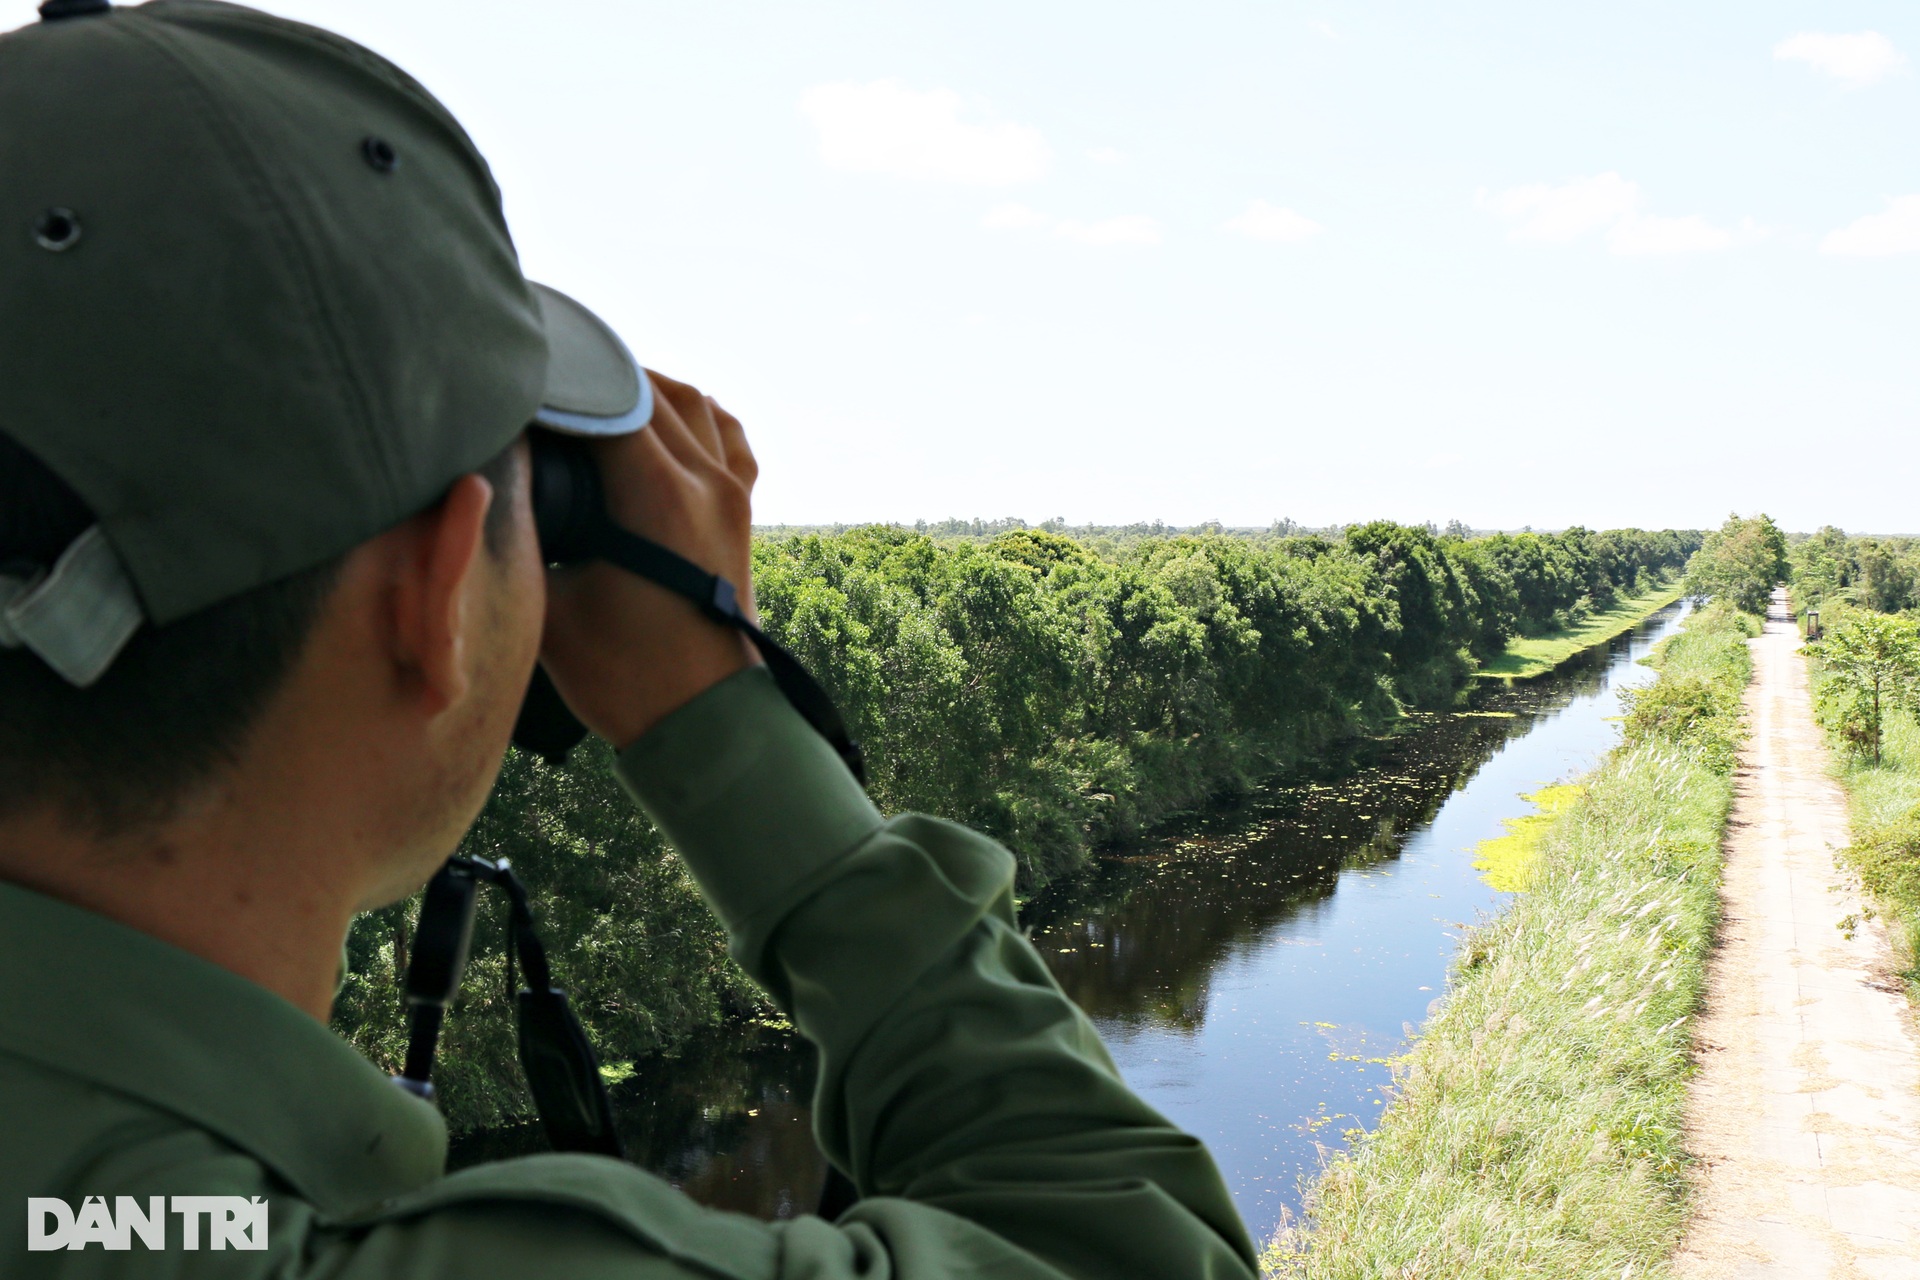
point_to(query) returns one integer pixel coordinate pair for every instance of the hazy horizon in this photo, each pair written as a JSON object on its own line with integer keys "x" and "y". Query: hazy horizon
{"x": 780, "y": 526}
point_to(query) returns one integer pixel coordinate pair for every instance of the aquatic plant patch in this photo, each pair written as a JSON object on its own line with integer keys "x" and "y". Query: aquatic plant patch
{"x": 1506, "y": 862}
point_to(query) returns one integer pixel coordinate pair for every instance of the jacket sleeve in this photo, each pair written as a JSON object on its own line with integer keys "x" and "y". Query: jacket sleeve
{"x": 969, "y": 1100}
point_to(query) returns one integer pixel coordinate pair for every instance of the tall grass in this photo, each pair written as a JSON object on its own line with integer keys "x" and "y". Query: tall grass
{"x": 1537, "y": 1126}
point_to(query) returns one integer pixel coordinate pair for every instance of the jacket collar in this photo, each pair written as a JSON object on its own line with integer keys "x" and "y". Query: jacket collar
{"x": 87, "y": 997}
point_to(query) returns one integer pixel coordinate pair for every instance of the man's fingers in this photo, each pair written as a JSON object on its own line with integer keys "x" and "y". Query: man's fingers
{"x": 657, "y": 455}
{"x": 669, "y": 428}
{"x": 733, "y": 446}
{"x": 699, "y": 433}
{"x": 692, "y": 414}
{"x": 638, "y": 469}
{"x": 685, "y": 482}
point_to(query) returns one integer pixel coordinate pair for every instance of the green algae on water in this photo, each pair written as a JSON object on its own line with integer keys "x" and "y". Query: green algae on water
{"x": 1506, "y": 862}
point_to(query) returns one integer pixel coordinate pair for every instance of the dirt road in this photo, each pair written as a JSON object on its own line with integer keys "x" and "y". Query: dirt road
{"x": 1806, "y": 1111}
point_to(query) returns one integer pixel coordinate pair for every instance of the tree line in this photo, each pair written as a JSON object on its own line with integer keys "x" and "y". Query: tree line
{"x": 1058, "y": 693}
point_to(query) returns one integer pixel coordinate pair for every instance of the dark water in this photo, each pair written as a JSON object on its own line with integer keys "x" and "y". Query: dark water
{"x": 1251, "y": 974}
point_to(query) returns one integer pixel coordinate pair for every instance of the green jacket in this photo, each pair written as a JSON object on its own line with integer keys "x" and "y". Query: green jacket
{"x": 969, "y": 1100}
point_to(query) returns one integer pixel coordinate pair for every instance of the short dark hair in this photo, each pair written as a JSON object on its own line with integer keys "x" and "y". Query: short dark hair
{"x": 178, "y": 702}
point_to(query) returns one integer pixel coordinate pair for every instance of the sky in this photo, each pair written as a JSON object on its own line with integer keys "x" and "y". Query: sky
{"x": 1507, "y": 263}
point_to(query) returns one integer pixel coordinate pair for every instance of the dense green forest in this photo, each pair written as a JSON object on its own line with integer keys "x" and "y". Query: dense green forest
{"x": 1059, "y": 693}
{"x": 1880, "y": 574}
{"x": 1060, "y": 698}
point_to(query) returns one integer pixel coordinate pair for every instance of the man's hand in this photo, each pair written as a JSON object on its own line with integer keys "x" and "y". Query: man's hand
{"x": 623, "y": 651}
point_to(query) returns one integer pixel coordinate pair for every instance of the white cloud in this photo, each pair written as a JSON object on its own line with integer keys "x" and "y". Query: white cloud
{"x": 1897, "y": 230}
{"x": 1107, "y": 155}
{"x": 1131, "y": 228}
{"x": 885, "y": 127}
{"x": 1566, "y": 212}
{"x": 1859, "y": 59}
{"x": 1641, "y": 234}
{"x": 1013, "y": 217}
{"x": 1127, "y": 229}
{"x": 1607, "y": 201}
{"x": 1264, "y": 221}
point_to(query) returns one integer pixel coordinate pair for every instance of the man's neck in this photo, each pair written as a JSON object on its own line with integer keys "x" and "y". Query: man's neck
{"x": 263, "y": 910}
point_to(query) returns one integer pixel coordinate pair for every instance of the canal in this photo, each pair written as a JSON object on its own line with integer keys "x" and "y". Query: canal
{"x": 1253, "y": 973}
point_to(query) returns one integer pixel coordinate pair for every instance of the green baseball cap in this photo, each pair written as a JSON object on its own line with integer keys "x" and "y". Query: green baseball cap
{"x": 260, "y": 304}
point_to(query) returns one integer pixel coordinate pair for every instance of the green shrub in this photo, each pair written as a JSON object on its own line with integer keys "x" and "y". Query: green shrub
{"x": 1868, "y": 669}
{"x": 1696, "y": 704}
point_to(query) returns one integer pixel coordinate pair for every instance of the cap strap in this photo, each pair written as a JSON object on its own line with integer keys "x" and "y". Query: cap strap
{"x": 77, "y": 616}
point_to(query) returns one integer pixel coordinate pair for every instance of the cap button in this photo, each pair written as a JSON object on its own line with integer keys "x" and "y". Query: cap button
{"x": 57, "y": 230}
{"x": 55, "y": 10}
{"x": 379, "y": 154}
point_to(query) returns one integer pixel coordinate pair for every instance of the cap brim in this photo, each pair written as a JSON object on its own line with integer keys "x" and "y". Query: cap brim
{"x": 594, "y": 385}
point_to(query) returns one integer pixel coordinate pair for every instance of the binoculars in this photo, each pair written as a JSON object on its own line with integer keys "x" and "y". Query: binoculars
{"x": 570, "y": 515}
{"x": 567, "y": 498}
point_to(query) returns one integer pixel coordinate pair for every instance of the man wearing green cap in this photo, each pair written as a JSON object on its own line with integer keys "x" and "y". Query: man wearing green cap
{"x": 270, "y": 595}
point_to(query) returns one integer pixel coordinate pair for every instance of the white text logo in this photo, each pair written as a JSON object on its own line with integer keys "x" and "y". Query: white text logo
{"x": 232, "y": 1222}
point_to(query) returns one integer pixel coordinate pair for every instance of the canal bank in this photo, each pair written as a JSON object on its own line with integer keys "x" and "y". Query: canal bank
{"x": 1530, "y": 657}
{"x": 1537, "y": 1126}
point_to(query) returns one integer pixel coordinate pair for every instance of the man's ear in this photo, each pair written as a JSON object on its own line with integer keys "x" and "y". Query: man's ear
{"x": 435, "y": 606}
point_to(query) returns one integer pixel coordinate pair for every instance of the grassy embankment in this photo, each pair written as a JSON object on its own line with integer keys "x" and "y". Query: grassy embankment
{"x": 1537, "y": 1123}
{"x": 1884, "y": 801}
{"x": 1530, "y": 656}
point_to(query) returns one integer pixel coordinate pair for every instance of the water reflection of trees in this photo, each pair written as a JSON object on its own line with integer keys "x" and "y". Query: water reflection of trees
{"x": 727, "y": 1122}
{"x": 1137, "y": 940}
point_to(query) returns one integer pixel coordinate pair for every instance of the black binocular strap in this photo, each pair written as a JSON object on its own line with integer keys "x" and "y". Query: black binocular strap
{"x": 562, "y": 1072}
{"x": 720, "y": 600}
